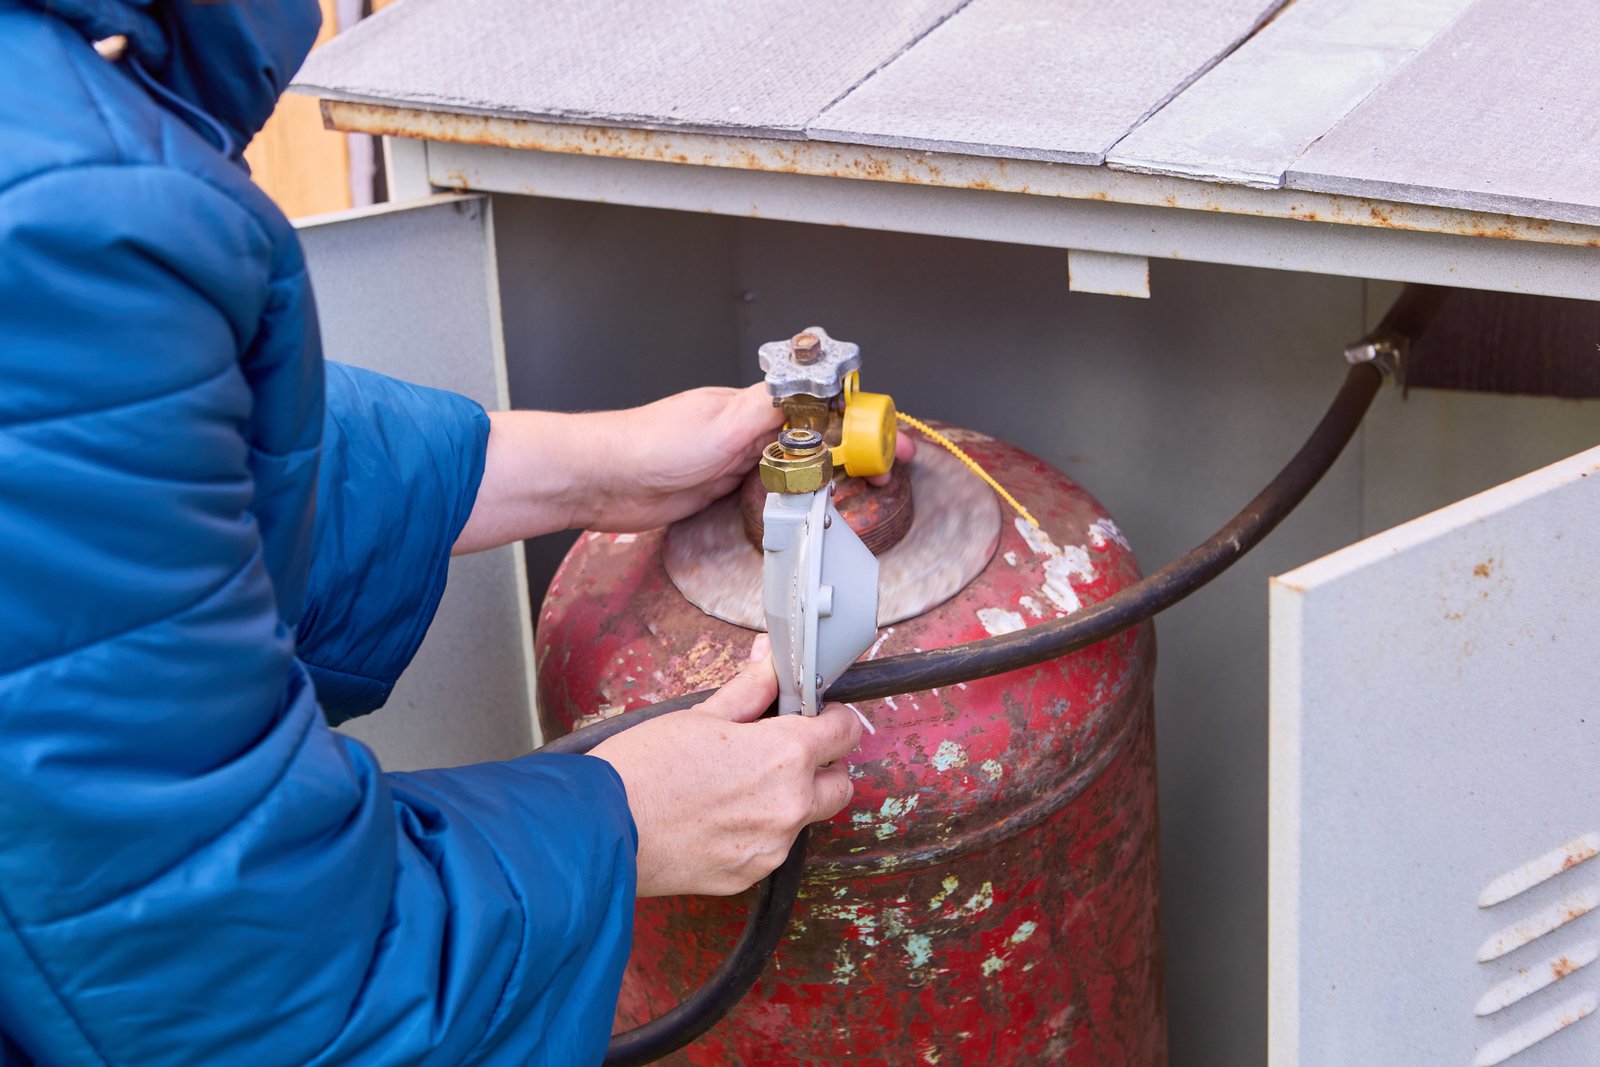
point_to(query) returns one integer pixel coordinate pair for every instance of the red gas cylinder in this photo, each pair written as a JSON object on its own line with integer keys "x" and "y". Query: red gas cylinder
{"x": 991, "y": 896}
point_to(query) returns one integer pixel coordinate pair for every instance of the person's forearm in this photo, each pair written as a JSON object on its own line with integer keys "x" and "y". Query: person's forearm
{"x": 535, "y": 476}
{"x": 634, "y": 469}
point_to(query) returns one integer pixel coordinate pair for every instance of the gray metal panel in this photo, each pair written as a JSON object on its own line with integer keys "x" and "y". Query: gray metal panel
{"x": 1500, "y": 113}
{"x": 1040, "y": 79}
{"x": 1252, "y": 115}
{"x": 1434, "y": 802}
{"x": 413, "y": 292}
{"x": 1093, "y": 225}
{"x": 1431, "y": 447}
{"x": 590, "y": 289}
{"x": 767, "y": 67}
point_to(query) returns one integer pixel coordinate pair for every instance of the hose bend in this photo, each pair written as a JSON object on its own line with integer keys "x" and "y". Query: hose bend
{"x": 763, "y": 929}
{"x": 941, "y": 667}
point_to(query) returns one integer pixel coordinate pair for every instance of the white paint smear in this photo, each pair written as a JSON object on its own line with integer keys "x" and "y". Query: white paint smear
{"x": 949, "y": 755}
{"x": 1058, "y": 586}
{"x": 1104, "y": 530}
{"x": 1000, "y": 621}
{"x": 1061, "y": 566}
{"x": 882, "y": 821}
{"x": 1037, "y": 539}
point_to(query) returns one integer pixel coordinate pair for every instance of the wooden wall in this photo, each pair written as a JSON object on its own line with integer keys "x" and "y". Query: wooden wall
{"x": 302, "y": 166}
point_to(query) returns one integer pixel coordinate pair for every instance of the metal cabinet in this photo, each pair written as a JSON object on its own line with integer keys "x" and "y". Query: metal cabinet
{"x": 1176, "y": 409}
{"x": 929, "y": 195}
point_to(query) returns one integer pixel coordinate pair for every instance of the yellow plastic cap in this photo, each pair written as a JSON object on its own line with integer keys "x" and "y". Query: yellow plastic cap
{"x": 866, "y": 446}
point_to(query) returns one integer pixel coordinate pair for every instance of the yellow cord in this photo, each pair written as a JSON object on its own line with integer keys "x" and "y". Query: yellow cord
{"x": 972, "y": 464}
{"x": 852, "y": 385}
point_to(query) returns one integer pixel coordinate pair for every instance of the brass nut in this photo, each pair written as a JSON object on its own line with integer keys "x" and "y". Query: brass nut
{"x": 783, "y": 473}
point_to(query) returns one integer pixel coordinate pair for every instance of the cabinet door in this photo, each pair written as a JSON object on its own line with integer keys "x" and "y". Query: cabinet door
{"x": 412, "y": 291}
{"x": 1435, "y": 801}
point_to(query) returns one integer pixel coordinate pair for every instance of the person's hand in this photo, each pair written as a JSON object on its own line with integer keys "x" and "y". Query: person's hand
{"x": 669, "y": 459}
{"x": 620, "y": 471}
{"x": 718, "y": 794}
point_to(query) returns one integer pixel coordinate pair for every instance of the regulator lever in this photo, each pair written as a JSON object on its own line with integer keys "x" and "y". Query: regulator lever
{"x": 819, "y": 582}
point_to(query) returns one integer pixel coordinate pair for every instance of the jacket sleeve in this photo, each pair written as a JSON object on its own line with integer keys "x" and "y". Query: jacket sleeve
{"x": 193, "y": 867}
{"x": 400, "y": 471}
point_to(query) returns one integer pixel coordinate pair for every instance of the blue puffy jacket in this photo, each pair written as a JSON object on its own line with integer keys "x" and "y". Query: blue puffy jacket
{"x": 193, "y": 868}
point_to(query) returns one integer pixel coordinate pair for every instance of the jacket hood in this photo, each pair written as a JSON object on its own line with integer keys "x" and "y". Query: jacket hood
{"x": 231, "y": 59}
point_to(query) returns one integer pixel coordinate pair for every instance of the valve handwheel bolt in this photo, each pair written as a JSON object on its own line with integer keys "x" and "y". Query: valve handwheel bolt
{"x": 806, "y": 347}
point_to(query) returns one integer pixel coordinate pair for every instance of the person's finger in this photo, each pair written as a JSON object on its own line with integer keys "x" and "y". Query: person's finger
{"x": 760, "y": 648}
{"x": 756, "y": 414}
{"x": 833, "y": 734}
{"x": 722, "y": 486}
{"x": 832, "y": 790}
{"x": 905, "y": 450}
{"x": 905, "y": 447}
{"x": 749, "y": 695}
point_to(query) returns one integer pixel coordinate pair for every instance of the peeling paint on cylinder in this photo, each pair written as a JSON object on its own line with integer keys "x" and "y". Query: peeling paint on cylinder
{"x": 992, "y": 893}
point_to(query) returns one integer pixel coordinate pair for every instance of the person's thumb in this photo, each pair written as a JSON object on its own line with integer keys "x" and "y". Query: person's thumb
{"x": 748, "y": 696}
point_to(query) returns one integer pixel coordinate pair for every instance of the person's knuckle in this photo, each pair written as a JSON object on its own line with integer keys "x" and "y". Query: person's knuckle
{"x": 851, "y": 725}
{"x": 846, "y": 791}
{"x": 727, "y": 885}
{"x": 793, "y": 811}
{"x": 835, "y": 796}
{"x": 793, "y": 749}
{"x": 772, "y": 859}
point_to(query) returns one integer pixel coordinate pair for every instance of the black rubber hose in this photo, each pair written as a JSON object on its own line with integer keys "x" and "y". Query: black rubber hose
{"x": 769, "y": 918}
{"x": 1137, "y": 602}
{"x": 769, "y": 915}
{"x": 940, "y": 667}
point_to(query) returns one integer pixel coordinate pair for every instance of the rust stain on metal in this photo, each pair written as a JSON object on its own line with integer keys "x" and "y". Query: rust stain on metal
{"x": 1581, "y": 853}
{"x": 880, "y": 516}
{"x": 1021, "y": 177}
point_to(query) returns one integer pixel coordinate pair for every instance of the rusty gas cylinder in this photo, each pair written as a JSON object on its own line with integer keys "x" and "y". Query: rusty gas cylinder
{"x": 991, "y": 895}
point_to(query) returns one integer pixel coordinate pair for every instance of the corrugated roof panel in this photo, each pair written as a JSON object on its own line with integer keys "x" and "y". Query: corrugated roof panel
{"x": 703, "y": 64}
{"x": 1252, "y": 115}
{"x": 1041, "y": 79}
{"x": 1501, "y": 113}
